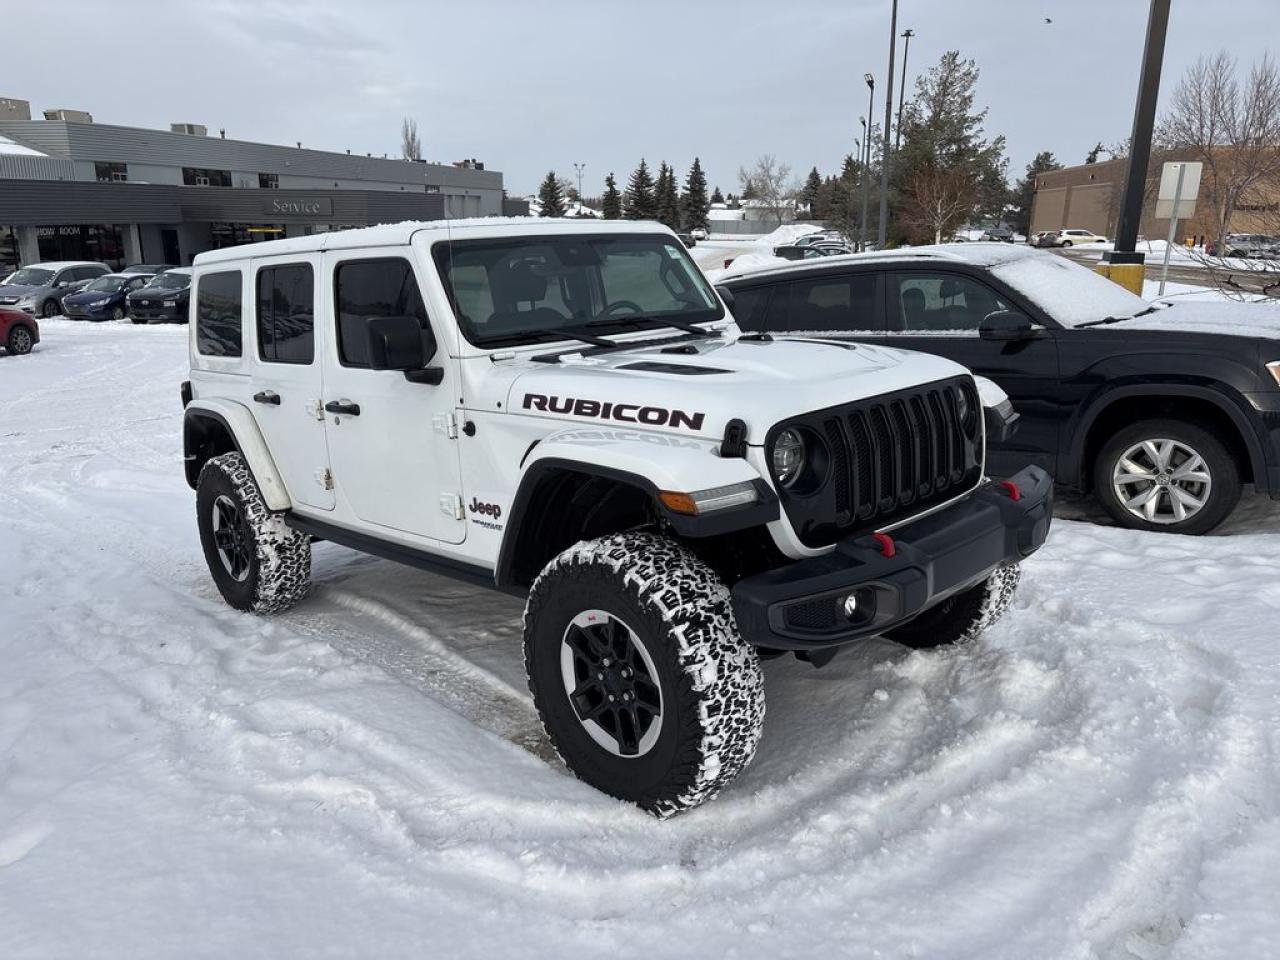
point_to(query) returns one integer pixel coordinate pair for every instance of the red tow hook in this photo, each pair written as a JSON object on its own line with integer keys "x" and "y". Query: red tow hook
{"x": 887, "y": 547}
{"x": 1014, "y": 493}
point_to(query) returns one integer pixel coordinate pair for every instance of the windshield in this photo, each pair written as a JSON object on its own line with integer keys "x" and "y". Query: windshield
{"x": 107, "y": 284}
{"x": 1068, "y": 292}
{"x": 30, "y": 277}
{"x": 170, "y": 281}
{"x": 535, "y": 289}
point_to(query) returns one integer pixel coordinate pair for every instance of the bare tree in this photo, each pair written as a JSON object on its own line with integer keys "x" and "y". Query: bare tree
{"x": 772, "y": 187}
{"x": 1233, "y": 129}
{"x": 410, "y": 145}
{"x": 938, "y": 200}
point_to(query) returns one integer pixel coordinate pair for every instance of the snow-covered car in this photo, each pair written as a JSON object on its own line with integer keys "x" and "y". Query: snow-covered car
{"x": 567, "y": 411}
{"x": 18, "y": 331}
{"x": 1074, "y": 238}
{"x": 1162, "y": 412}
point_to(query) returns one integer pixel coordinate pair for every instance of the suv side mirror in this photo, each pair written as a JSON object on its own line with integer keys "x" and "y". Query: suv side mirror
{"x": 1007, "y": 325}
{"x": 399, "y": 343}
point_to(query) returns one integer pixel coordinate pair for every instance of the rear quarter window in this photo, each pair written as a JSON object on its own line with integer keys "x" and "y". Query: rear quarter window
{"x": 219, "y": 331}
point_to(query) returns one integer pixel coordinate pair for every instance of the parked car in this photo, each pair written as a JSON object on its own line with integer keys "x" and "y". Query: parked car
{"x": 997, "y": 235}
{"x": 148, "y": 268}
{"x": 687, "y": 239}
{"x": 811, "y": 252}
{"x": 39, "y": 288}
{"x": 103, "y": 298}
{"x": 1074, "y": 238}
{"x": 1161, "y": 412}
{"x": 1256, "y": 246}
{"x": 698, "y": 233}
{"x": 165, "y": 298}
{"x": 18, "y": 332}
{"x": 1043, "y": 238}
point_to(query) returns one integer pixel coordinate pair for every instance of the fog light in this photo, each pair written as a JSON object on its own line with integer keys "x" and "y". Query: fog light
{"x": 850, "y": 606}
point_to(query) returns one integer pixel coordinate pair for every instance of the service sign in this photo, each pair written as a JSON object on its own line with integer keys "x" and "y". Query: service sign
{"x": 298, "y": 206}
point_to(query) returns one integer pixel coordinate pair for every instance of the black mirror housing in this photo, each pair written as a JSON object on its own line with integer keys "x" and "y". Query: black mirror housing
{"x": 397, "y": 343}
{"x": 1007, "y": 325}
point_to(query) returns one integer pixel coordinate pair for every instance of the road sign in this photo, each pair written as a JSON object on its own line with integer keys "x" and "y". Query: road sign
{"x": 1171, "y": 174}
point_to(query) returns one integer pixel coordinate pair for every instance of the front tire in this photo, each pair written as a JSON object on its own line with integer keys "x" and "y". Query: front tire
{"x": 20, "y": 340}
{"x": 1168, "y": 476}
{"x": 638, "y": 618}
{"x": 962, "y": 617}
{"x": 1066, "y": 243}
{"x": 259, "y": 564}
{"x": 117, "y": 314}
{"x": 50, "y": 309}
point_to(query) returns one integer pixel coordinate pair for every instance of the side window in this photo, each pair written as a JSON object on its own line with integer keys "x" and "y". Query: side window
{"x": 374, "y": 288}
{"x": 827, "y": 304}
{"x": 286, "y": 313}
{"x": 941, "y": 303}
{"x": 218, "y": 331}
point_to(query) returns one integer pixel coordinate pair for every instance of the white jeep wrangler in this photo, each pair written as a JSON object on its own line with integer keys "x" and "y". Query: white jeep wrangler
{"x": 567, "y": 411}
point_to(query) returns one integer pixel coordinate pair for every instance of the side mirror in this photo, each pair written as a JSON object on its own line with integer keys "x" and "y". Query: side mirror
{"x": 1007, "y": 325}
{"x": 399, "y": 343}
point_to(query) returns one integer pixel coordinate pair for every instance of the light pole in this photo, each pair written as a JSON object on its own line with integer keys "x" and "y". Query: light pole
{"x": 862, "y": 174}
{"x": 883, "y": 232}
{"x": 907, "y": 34}
{"x": 579, "y": 167}
{"x": 866, "y": 160}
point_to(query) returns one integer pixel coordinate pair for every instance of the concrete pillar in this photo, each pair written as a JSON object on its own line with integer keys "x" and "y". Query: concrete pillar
{"x": 132, "y": 243}
{"x": 28, "y": 246}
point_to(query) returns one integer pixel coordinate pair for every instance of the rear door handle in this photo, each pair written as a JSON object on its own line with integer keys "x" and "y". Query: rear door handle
{"x": 344, "y": 407}
{"x": 267, "y": 396}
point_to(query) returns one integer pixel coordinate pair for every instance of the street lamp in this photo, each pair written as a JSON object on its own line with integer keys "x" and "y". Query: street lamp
{"x": 579, "y": 167}
{"x": 888, "y": 119}
{"x": 902, "y": 94}
{"x": 866, "y": 159}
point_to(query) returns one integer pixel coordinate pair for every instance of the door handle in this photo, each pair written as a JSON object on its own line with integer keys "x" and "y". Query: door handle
{"x": 345, "y": 407}
{"x": 267, "y": 396}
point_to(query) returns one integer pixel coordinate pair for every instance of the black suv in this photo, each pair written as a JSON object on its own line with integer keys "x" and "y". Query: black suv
{"x": 1162, "y": 411}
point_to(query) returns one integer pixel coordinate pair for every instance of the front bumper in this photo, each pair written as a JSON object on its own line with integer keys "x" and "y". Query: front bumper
{"x": 801, "y": 606}
{"x": 158, "y": 313}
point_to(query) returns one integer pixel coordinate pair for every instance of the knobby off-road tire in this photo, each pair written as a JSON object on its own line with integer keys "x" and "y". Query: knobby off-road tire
{"x": 962, "y": 617}
{"x": 259, "y": 564}
{"x": 647, "y": 598}
{"x": 1183, "y": 442}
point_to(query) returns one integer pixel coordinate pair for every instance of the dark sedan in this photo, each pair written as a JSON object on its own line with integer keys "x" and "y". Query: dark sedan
{"x": 164, "y": 300}
{"x": 104, "y": 298}
{"x": 1162, "y": 412}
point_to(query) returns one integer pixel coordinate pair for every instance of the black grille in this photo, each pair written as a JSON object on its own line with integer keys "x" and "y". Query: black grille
{"x": 816, "y": 615}
{"x": 887, "y": 458}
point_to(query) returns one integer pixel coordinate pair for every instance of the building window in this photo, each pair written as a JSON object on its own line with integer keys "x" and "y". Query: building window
{"x": 269, "y": 181}
{"x": 286, "y": 314}
{"x": 8, "y": 251}
{"x": 218, "y": 331}
{"x": 202, "y": 177}
{"x": 374, "y": 288}
{"x": 111, "y": 172}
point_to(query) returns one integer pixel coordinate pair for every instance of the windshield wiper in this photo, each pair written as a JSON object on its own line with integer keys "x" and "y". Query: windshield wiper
{"x": 639, "y": 318}
{"x": 1109, "y": 320}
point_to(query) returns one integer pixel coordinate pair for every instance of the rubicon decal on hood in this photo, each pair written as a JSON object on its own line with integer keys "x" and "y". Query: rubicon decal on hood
{"x": 608, "y": 410}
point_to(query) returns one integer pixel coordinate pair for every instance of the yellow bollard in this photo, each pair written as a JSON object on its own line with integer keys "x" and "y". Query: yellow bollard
{"x": 1128, "y": 275}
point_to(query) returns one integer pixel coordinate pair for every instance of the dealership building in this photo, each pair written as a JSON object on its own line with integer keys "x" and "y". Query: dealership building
{"x": 72, "y": 189}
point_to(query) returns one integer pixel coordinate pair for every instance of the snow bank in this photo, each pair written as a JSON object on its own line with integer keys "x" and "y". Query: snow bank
{"x": 365, "y": 776}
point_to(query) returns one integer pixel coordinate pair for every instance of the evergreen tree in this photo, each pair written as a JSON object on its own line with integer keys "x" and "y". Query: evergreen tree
{"x": 809, "y": 192}
{"x": 748, "y": 189}
{"x": 611, "y": 205}
{"x": 551, "y": 196}
{"x": 717, "y": 196}
{"x": 1092, "y": 156}
{"x": 1024, "y": 192}
{"x": 666, "y": 197}
{"x": 638, "y": 201}
{"x": 694, "y": 203}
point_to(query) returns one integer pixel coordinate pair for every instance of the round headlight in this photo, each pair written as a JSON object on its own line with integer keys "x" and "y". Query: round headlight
{"x": 788, "y": 457}
{"x": 965, "y": 409}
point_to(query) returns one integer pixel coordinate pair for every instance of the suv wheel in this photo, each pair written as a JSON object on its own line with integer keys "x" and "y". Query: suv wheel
{"x": 50, "y": 309}
{"x": 1166, "y": 475}
{"x": 1066, "y": 243}
{"x": 259, "y": 564}
{"x": 643, "y": 685}
{"x": 20, "y": 340}
{"x": 962, "y": 616}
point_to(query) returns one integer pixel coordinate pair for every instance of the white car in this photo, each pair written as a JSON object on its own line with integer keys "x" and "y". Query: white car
{"x": 568, "y": 412}
{"x": 1069, "y": 238}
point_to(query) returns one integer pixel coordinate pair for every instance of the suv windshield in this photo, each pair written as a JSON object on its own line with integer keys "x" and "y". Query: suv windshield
{"x": 108, "y": 284}
{"x": 1068, "y": 292}
{"x": 170, "y": 281}
{"x": 30, "y": 277}
{"x": 536, "y": 289}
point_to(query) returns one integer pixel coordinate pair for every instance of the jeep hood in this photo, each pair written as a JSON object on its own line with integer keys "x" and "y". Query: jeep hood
{"x": 698, "y": 386}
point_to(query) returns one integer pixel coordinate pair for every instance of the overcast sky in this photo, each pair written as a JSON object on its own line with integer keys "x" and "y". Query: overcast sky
{"x": 529, "y": 86}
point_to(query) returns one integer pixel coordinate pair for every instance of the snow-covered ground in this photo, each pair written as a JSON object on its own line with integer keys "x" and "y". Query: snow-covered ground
{"x": 1099, "y": 777}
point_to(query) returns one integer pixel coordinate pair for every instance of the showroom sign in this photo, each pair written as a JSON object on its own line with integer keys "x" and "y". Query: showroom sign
{"x": 298, "y": 207}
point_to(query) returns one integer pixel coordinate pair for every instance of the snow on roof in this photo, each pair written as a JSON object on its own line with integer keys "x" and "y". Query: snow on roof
{"x": 16, "y": 149}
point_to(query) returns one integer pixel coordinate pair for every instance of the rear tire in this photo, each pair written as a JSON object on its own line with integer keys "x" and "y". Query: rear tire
{"x": 961, "y": 617}
{"x": 637, "y": 617}
{"x": 1214, "y": 479}
{"x": 259, "y": 564}
{"x": 20, "y": 340}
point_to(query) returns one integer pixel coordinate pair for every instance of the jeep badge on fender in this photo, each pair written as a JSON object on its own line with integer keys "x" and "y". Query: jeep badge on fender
{"x": 673, "y": 500}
